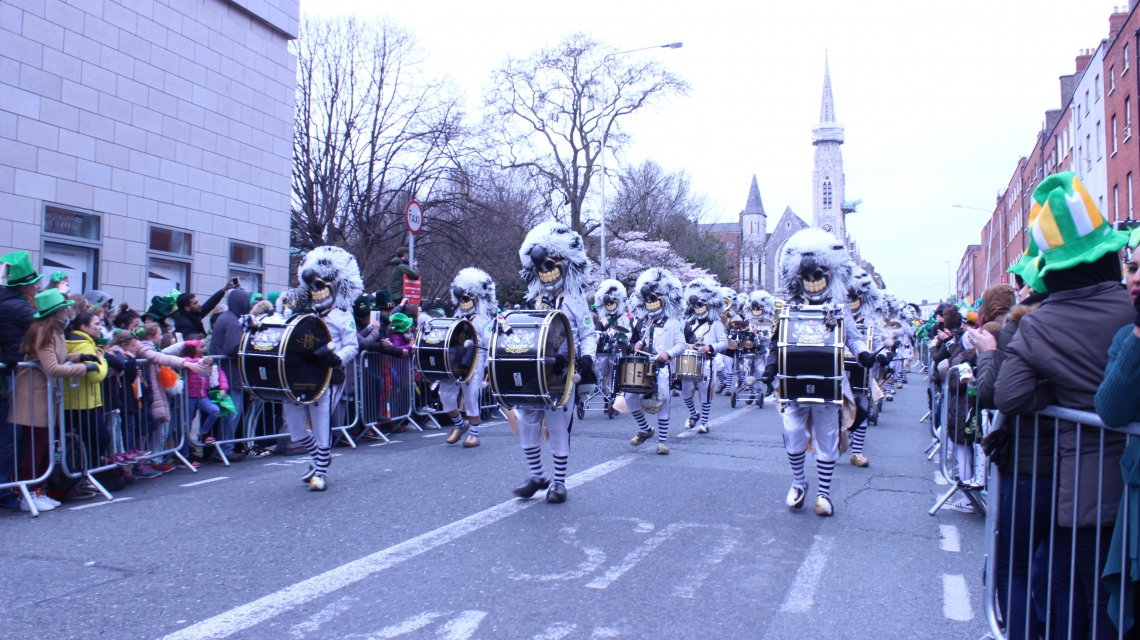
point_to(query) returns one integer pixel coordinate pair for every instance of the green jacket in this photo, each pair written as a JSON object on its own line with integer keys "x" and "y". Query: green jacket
{"x": 85, "y": 392}
{"x": 400, "y": 268}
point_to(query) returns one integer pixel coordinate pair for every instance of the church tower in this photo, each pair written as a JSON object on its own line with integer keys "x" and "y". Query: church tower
{"x": 827, "y": 179}
{"x": 753, "y": 234}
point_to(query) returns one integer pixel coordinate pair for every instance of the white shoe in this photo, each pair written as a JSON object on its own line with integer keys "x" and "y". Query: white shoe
{"x": 796, "y": 497}
{"x": 41, "y": 505}
{"x": 53, "y": 502}
{"x": 691, "y": 422}
{"x": 704, "y": 428}
{"x": 823, "y": 506}
{"x": 317, "y": 483}
{"x": 962, "y": 505}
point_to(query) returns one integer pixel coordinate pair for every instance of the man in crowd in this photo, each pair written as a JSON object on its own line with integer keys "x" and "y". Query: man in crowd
{"x": 188, "y": 317}
{"x": 16, "y": 315}
{"x": 401, "y": 268}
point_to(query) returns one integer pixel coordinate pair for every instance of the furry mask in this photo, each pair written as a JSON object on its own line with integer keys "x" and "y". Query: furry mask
{"x": 761, "y": 307}
{"x": 728, "y": 297}
{"x": 891, "y": 305}
{"x": 815, "y": 267}
{"x": 473, "y": 294}
{"x": 863, "y": 296}
{"x": 610, "y": 299}
{"x": 329, "y": 277}
{"x": 554, "y": 259}
{"x": 741, "y": 305}
{"x": 704, "y": 299}
{"x": 657, "y": 293}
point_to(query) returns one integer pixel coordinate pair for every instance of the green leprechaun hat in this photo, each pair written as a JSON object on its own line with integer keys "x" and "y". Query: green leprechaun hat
{"x": 49, "y": 301}
{"x": 160, "y": 309}
{"x": 1070, "y": 230}
{"x": 20, "y": 270}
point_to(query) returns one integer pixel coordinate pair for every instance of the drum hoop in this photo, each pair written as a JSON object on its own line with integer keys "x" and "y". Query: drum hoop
{"x": 571, "y": 367}
{"x": 285, "y": 388}
{"x": 447, "y": 352}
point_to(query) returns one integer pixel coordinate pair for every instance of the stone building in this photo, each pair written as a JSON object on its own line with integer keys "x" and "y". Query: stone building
{"x": 146, "y": 145}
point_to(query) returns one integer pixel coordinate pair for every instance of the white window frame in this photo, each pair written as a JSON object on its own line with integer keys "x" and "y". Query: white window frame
{"x": 185, "y": 259}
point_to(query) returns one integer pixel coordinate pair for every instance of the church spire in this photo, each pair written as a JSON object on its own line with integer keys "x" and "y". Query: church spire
{"x": 754, "y": 204}
{"x": 827, "y": 109}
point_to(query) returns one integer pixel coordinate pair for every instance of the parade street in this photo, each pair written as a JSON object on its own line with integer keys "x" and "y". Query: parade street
{"x": 419, "y": 539}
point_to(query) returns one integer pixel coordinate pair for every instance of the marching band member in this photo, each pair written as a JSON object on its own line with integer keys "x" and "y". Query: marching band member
{"x": 656, "y": 303}
{"x": 703, "y": 328}
{"x": 473, "y": 294}
{"x": 761, "y": 314}
{"x": 726, "y": 360}
{"x": 556, "y": 269}
{"x": 329, "y": 285}
{"x": 864, "y": 302}
{"x": 610, "y": 302}
{"x": 814, "y": 269}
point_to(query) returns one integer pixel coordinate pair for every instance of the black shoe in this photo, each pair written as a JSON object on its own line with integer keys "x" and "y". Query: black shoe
{"x": 531, "y": 487}
{"x": 556, "y": 493}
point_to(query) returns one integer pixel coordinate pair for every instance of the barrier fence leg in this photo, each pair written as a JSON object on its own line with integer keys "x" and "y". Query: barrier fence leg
{"x": 223, "y": 456}
{"x": 28, "y": 500}
{"x": 95, "y": 483}
{"x": 186, "y": 463}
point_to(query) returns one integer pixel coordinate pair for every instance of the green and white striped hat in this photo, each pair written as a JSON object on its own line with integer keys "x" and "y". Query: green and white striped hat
{"x": 1069, "y": 230}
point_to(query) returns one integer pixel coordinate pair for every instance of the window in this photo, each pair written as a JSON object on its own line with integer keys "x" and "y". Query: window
{"x": 1086, "y": 103}
{"x": 247, "y": 264}
{"x": 826, "y": 194}
{"x": 1096, "y": 88}
{"x": 1125, "y": 60}
{"x": 168, "y": 265}
{"x": 1100, "y": 203}
{"x": 1088, "y": 152}
{"x": 1113, "y": 135}
{"x": 1099, "y": 142}
{"x": 1116, "y": 202}
{"x": 1129, "y": 195}
{"x": 1127, "y": 119}
{"x": 1112, "y": 79}
{"x": 71, "y": 242}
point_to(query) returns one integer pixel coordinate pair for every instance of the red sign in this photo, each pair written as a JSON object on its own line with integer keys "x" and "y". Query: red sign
{"x": 411, "y": 291}
{"x": 1005, "y": 278}
{"x": 414, "y": 215}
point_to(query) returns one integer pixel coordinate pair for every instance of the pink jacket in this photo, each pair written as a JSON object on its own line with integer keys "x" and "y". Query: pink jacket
{"x": 401, "y": 340}
{"x": 198, "y": 386}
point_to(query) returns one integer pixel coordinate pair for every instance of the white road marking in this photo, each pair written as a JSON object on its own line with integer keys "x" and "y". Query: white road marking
{"x": 634, "y": 557}
{"x": 315, "y": 621}
{"x": 207, "y": 481}
{"x": 462, "y": 626}
{"x": 939, "y": 479}
{"x": 266, "y": 607}
{"x": 380, "y": 444}
{"x": 414, "y": 623}
{"x": 595, "y": 558}
{"x": 433, "y": 435}
{"x": 956, "y": 598}
{"x": 300, "y": 461}
{"x": 801, "y": 595}
{"x": 688, "y": 588}
{"x": 99, "y": 504}
{"x": 276, "y": 464}
{"x": 556, "y": 631}
{"x": 951, "y": 541}
{"x": 605, "y": 632}
{"x": 688, "y": 433}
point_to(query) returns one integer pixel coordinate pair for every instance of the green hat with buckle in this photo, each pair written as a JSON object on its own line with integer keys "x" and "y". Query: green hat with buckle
{"x": 20, "y": 271}
{"x": 401, "y": 322}
{"x": 160, "y": 309}
{"x": 49, "y": 301}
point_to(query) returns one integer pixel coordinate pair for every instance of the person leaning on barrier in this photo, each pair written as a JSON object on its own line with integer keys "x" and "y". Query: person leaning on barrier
{"x": 1118, "y": 404}
{"x": 1058, "y": 357}
{"x": 45, "y": 346}
{"x": 17, "y": 312}
{"x": 224, "y": 341}
{"x": 83, "y": 400}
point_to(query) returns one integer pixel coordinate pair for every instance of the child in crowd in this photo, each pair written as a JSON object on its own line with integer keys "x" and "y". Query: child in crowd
{"x": 198, "y": 388}
{"x": 122, "y": 398}
{"x": 402, "y": 334}
{"x": 159, "y": 413}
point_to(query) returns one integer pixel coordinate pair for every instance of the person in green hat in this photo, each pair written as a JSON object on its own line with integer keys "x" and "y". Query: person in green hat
{"x": 160, "y": 309}
{"x": 17, "y": 312}
{"x": 43, "y": 344}
{"x": 1058, "y": 357}
{"x": 401, "y": 335}
{"x": 401, "y": 268}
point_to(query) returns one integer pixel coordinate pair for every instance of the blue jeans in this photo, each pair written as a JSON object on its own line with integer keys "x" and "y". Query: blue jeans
{"x": 207, "y": 407}
{"x": 1026, "y": 524}
{"x": 230, "y": 424}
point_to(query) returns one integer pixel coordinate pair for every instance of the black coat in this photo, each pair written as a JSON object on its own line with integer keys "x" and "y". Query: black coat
{"x": 16, "y": 315}
{"x": 189, "y": 322}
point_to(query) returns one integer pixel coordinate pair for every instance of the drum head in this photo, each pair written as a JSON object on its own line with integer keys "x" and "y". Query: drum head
{"x": 305, "y": 376}
{"x": 558, "y": 340}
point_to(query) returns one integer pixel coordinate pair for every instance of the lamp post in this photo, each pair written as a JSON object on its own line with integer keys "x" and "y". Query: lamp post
{"x": 606, "y": 131}
{"x": 949, "y": 294}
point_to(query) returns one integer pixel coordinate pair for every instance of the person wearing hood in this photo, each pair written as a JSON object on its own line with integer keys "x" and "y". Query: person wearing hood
{"x": 224, "y": 342}
{"x": 1058, "y": 357}
{"x": 188, "y": 317}
{"x": 401, "y": 268}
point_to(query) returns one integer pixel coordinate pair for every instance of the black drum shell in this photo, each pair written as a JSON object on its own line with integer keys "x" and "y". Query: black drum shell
{"x": 523, "y": 365}
{"x": 810, "y": 358}
{"x": 436, "y": 351}
{"x": 278, "y": 362}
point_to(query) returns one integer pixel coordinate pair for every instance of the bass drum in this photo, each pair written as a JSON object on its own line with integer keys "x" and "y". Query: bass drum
{"x": 278, "y": 362}
{"x": 440, "y": 349}
{"x": 533, "y": 365}
{"x": 810, "y": 356}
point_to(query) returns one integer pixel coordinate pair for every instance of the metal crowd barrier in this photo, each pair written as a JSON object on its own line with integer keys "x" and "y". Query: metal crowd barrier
{"x": 957, "y": 407}
{"x": 1044, "y": 576}
{"x": 21, "y": 468}
{"x": 259, "y": 421}
{"x": 387, "y": 392}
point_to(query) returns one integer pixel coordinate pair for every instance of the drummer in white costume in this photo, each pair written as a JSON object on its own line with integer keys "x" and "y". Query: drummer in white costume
{"x": 705, "y": 333}
{"x": 473, "y": 294}
{"x": 656, "y": 303}
{"x": 610, "y": 303}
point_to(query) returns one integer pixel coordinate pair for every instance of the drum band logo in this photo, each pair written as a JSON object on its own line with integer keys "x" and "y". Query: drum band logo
{"x": 435, "y": 336}
{"x": 518, "y": 379}
{"x": 266, "y": 340}
{"x": 808, "y": 332}
{"x": 308, "y": 341}
{"x": 519, "y": 342}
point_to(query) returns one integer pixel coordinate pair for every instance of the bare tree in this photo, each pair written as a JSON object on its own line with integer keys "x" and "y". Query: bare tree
{"x": 371, "y": 133}
{"x": 548, "y": 117}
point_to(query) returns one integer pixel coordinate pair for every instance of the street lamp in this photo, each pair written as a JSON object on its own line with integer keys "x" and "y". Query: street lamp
{"x": 605, "y": 131}
{"x": 962, "y": 206}
{"x": 948, "y": 293}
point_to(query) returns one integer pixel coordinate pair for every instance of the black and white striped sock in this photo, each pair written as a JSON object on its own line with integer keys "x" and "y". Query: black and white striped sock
{"x": 474, "y": 429}
{"x": 857, "y": 435}
{"x": 824, "y": 469}
{"x": 534, "y": 461}
{"x": 720, "y": 376}
{"x": 662, "y": 429}
{"x": 706, "y": 410}
{"x": 797, "y": 462}
{"x": 310, "y": 444}
{"x": 642, "y": 423}
{"x": 692, "y": 406}
{"x": 560, "y": 467}
{"x": 321, "y": 460}
{"x": 729, "y": 379}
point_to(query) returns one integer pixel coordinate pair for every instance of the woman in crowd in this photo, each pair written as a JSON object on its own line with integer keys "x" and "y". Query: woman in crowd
{"x": 83, "y": 397}
{"x": 45, "y": 346}
{"x": 121, "y": 395}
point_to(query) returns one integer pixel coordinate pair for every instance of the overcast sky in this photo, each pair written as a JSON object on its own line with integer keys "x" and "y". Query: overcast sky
{"x": 939, "y": 99}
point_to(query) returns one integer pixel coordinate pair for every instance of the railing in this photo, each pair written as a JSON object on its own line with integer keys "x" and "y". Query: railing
{"x": 28, "y": 453}
{"x": 1047, "y": 540}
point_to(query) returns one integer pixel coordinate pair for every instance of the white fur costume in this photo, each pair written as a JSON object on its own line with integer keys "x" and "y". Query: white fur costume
{"x": 658, "y": 331}
{"x": 703, "y": 329}
{"x": 475, "y": 288}
{"x": 610, "y": 301}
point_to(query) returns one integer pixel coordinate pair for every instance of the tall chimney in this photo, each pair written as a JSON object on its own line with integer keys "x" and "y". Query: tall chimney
{"x": 1116, "y": 21}
{"x": 1083, "y": 59}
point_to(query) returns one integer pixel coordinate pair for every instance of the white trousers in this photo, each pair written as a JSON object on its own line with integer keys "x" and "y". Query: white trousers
{"x": 824, "y": 429}
{"x": 557, "y": 425}
{"x": 633, "y": 400}
{"x": 472, "y": 394}
{"x": 701, "y": 387}
{"x": 300, "y": 417}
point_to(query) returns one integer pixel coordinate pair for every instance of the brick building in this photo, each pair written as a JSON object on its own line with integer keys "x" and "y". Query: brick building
{"x": 146, "y": 144}
{"x": 970, "y": 270}
{"x": 1122, "y": 87}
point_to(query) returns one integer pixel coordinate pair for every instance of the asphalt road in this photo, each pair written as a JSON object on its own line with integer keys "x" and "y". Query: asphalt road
{"x": 418, "y": 539}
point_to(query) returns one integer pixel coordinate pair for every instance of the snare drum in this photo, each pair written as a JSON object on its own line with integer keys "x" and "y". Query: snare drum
{"x": 860, "y": 377}
{"x": 277, "y": 362}
{"x": 636, "y": 374}
{"x": 533, "y": 365}
{"x": 440, "y": 349}
{"x": 690, "y": 365}
{"x": 810, "y": 356}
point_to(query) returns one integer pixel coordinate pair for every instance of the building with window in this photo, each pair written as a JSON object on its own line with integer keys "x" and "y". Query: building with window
{"x": 1121, "y": 108}
{"x": 146, "y": 146}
